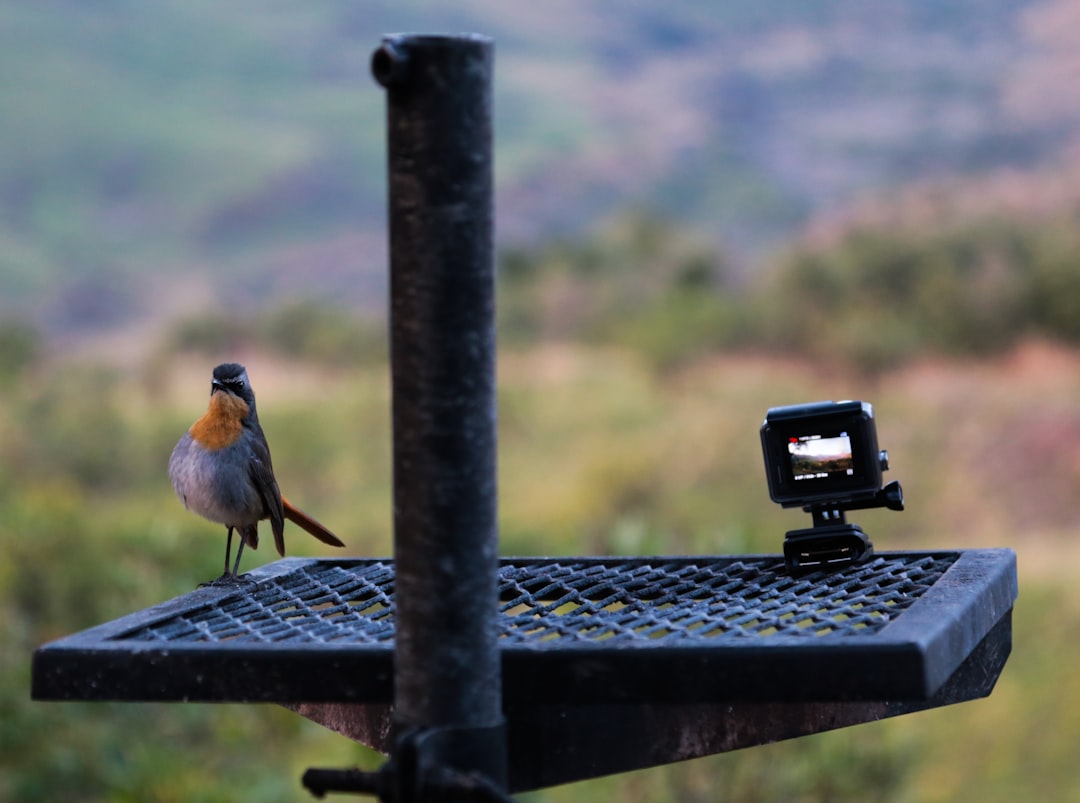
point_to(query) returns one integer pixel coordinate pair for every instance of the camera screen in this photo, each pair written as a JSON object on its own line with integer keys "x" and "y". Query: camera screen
{"x": 817, "y": 457}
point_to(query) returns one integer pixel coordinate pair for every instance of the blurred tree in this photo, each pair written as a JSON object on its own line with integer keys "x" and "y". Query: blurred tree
{"x": 879, "y": 297}
{"x": 323, "y": 333}
{"x": 20, "y": 344}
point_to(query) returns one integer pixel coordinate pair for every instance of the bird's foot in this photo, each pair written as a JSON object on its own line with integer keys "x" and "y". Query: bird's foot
{"x": 228, "y": 580}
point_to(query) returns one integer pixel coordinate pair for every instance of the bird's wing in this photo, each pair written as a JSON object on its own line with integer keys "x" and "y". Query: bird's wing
{"x": 262, "y": 474}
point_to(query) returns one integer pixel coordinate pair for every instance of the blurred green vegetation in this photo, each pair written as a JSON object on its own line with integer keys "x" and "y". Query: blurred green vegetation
{"x": 884, "y": 296}
{"x": 634, "y": 374}
{"x": 874, "y": 299}
{"x": 639, "y": 282}
{"x": 304, "y": 329}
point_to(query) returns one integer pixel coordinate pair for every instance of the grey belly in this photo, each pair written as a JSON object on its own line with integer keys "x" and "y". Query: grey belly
{"x": 216, "y": 485}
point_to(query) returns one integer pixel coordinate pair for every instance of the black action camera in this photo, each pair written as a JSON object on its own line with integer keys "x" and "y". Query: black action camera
{"x": 824, "y": 458}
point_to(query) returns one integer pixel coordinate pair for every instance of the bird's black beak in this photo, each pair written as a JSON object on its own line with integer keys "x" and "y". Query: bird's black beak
{"x": 215, "y": 386}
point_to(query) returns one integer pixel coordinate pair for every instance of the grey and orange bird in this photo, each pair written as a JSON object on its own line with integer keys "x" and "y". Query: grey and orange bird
{"x": 221, "y": 469}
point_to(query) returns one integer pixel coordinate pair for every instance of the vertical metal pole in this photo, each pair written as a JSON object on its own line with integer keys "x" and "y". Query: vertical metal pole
{"x": 447, "y": 690}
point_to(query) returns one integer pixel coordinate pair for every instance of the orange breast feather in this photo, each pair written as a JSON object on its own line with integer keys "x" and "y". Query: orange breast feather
{"x": 222, "y": 423}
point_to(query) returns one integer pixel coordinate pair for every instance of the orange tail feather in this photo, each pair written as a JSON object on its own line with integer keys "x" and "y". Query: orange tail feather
{"x": 304, "y": 521}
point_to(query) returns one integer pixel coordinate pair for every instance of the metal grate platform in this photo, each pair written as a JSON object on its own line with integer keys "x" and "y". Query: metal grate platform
{"x": 657, "y": 629}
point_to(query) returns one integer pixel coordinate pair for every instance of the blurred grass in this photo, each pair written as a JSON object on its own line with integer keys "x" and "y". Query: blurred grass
{"x": 599, "y": 453}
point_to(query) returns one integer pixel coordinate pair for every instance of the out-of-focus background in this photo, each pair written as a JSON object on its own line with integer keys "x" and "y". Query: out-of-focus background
{"x": 704, "y": 209}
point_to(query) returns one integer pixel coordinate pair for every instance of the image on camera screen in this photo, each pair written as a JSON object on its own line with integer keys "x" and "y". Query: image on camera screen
{"x": 814, "y": 457}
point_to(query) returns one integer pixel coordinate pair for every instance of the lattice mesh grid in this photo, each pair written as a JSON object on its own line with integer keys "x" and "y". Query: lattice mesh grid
{"x": 659, "y": 601}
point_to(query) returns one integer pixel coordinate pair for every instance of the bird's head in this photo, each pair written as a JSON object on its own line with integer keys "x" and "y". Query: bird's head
{"x": 232, "y": 378}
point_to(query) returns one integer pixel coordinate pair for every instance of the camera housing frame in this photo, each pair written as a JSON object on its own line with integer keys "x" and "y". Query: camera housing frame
{"x": 789, "y": 436}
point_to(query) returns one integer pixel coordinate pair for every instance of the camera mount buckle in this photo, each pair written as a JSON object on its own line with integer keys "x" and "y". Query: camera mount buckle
{"x": 832, "y": 542}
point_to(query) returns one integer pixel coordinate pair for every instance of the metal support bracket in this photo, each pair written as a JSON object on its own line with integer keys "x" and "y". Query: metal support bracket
{"x": 428, "y": 765}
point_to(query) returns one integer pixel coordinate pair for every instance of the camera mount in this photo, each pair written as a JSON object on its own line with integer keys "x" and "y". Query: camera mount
{"x": 832, "y": 541}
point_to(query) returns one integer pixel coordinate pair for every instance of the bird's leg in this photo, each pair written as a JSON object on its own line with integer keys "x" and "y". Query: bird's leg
{"x": 239, "y": 552}
{"x": 228, "y": 549}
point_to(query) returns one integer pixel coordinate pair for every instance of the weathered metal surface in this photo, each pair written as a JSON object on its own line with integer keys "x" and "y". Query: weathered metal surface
{"x": 570, "y": 630}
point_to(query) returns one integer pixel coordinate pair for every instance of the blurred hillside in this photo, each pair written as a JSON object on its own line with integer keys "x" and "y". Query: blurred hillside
{"x": 164, "y": 154}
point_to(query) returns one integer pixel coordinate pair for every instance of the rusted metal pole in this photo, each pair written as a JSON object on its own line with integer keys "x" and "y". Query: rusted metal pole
{"x": 447, "y": 690}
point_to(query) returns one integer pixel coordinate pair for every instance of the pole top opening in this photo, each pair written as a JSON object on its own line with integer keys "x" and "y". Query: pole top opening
{"x": 390, "y": 61}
